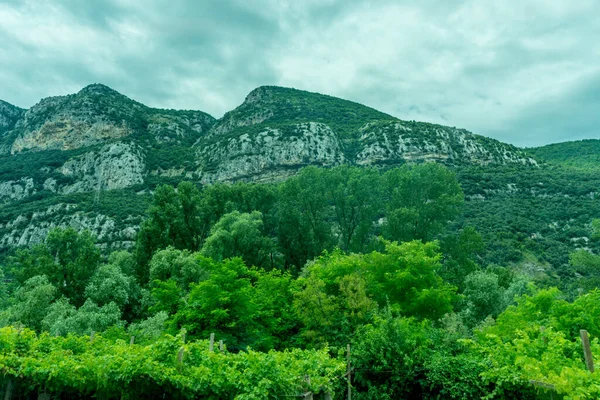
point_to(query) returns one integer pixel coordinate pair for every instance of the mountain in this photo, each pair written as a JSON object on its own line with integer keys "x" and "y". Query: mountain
{"x": 65, "y": 157}
{"x": 91, "y": 160}
{"x": 579, "y": 154}
{"x": 278, "y": 130}
{"x": 9, "y": 115}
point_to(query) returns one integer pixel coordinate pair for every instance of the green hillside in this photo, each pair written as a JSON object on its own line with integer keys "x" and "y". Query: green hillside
{"x": 134, "y": 240}
{"x": 579, "y": 154}
{"x": 274, "y": 106}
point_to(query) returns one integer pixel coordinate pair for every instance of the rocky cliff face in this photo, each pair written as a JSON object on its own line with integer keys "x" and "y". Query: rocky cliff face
{"x": 91, "y": 159}
{"x": 29, "y": 229}
{"x": 16, "y": 190}
{"x": 95, "y": 114}
{"x": 268, "y": 153}
{"x": 80, "y": 160}
{"x": 9, "y": 115}
{"x": 276, "y": 131}
{"x": 421, "y": 142}
{"x": 114, "y": 166}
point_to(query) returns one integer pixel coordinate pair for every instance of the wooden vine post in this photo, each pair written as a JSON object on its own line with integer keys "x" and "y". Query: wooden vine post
{"x": 9, "y": 390}
{"x": 587, "y": 351}
{"x": 220, "y": 345}
{"x": 131, "y": 340}
{"x": 180, "y": 356}
{"x": 545, "y": 338}
{"x": 349, "y": 374}
{"x": 211, "y": 344}
{"x": 308, "y": 395}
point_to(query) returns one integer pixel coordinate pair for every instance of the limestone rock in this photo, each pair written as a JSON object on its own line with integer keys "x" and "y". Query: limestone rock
{"x": 114, "y": 166}
{"x": 30, "y": 230}
{"x": 420, "y": 142}
{"x": 253, "y": 157}
{"x": 95, "y": 114}
{"x": 16, "y": 190}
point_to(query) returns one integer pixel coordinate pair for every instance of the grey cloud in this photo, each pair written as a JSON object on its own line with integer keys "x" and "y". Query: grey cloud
{"x": 525, "y": 72}
{"x": 572, "y": 116}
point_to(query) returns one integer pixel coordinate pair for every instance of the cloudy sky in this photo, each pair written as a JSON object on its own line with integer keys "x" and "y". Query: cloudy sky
{"x": 523, "y": 71}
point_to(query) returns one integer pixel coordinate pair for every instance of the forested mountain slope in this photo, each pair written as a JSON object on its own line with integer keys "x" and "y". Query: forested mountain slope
{"x": 80, "y": 159}
{"x": 579, "y": 154}
{"x": 91, "y": 160}
{"x": 296, "y": 225}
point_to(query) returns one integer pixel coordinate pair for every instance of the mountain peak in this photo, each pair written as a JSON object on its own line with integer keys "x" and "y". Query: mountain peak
{"x": 276, "y": 105}
{"x": 5, "y": 106}
{"x": 98, "y": 90}
{"x": 9, "y": 114}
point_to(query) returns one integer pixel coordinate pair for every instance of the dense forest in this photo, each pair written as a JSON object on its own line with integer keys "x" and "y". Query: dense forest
{"x": 386, "y": 283}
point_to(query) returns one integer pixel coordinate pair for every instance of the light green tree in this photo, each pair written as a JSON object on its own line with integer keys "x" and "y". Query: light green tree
{"x": 587, "y": 265}
{"x": 180, "y": 265}
{"x": 32, "y": 302}
{"x": 239, "y": 235}
{"x": 63, "y": 318}
{"x": 110, "y": 285}
{"x": 483, "y": 295}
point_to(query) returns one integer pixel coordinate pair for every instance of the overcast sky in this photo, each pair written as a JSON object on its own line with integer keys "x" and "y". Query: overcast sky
{"x": 523, "y": 71}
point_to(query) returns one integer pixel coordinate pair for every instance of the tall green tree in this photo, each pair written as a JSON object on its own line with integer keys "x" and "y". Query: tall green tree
{"x": 222, "y": 304}
{"x": 174, "y": 219}
{"x": 239, "y": 235}
{"x": 355, "y": 195}
{"x": 110, "y": 285}
{"x": 421, "y": 200}
{"x": 587, "y": 265}
{"x": 32, "y": 302}
{"x": 461, "y": 252}
{"x": 68, "y": 259}
{"x": 339, "y": 292}
{"x": 303, "y": 213}
{"x": 63, "y": 318}
{"x": 181, "y": 266}
{"x": 484, "y": 295}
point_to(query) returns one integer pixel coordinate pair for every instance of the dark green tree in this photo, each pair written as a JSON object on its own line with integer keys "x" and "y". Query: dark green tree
{"x": 68, "y": 259}
{"x": 303, "y": 217}
{"x": 355, "y": 195}
{"x": 421, "y": 200}
{"x": 174, "y": 219}
{"x": 461, "y": 252}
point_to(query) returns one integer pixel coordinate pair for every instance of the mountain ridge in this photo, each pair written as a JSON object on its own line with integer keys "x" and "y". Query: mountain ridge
{"x": 91, "y": 159}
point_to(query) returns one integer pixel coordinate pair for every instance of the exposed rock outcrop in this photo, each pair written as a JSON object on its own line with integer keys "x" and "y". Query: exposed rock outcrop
{"x": 28, "y": 230}
{"x": 114, "y": 166}
{"x": 9, "y": 115}
{"x": 16, "y": 190}
{"x": 418, "y": 142}
{"x": 95, "y": 114}
{"x": 256, "y": 156}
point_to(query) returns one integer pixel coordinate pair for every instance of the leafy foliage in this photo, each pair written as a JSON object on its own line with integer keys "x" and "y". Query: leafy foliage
{"x": 72, "y": 366}
{"x": 68, "y": 259}
{"x": 239, "y": 235}
{"x": 382, "y": 259}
